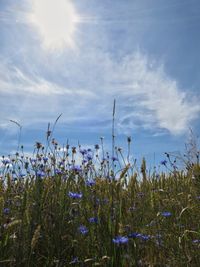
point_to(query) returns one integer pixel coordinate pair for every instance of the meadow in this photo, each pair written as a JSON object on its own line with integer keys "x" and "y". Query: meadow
{"x": 75, "y": 206}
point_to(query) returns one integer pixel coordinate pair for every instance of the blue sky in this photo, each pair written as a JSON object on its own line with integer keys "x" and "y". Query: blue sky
{"x": 76, "y": 57}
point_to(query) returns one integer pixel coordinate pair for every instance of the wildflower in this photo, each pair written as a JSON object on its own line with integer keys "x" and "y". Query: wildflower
{"x": 120, "y": 240}
{"x": 33, "y": 160}
{"x": 57, "y": 171}
{"x": 6, "y": 211}
{"x": 166, "y": 213}
{"x": 163, "y": 162}
{"x": 40, "y": 174}
{"x": 45, "y": 159}
{"x": 93, "y": 220}
{"x": 90, "y": 182}
{"x": 75, "y": 195}
{"x": 83, "y": 229}
{"x": 145, "y": 237}
{"x": 114, "y": 159}
{"x": 74, "y": 260}
{"x": 89, "y": 157}
{"x": 5, "y": 161}
{"x": 83, "y": 151}
{"x": 196, "y": 241}
{"x": 76, "y": 168}
{"x": 134, "y": 235}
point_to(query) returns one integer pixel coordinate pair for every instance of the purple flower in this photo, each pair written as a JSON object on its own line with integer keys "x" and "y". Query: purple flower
{"x": 120, "y": 240}
{"x": 166, "y": 213}
{"x": 140, "y": 236}
{"x": 134, "y": 235}
{"x": 6, "y": 211}
{"x": 90, "y": 182}
{"x": 75, "y": 195}
{"x": 114, "y": 159}
{"x": 89, "y": 157}
{"x": 76, "y": 168}
{"x": 40, "y": 174}
{"x": 45, "y": 159}
{"x": 83, "y": 230}
{"x": 5, "y": 161}
{"x": 196, "y": 241}
{"x": 57, "y": 171}
{"x": 163, "y": 162}
{"x": 145, "y": 237}
{"x": 74, "y": 260}
{"x": 83, "y": 151}
{"x": 93, "y": 220}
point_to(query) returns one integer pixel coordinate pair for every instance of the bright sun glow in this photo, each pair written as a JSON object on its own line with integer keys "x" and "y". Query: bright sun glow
{"x": 56, "y": 21}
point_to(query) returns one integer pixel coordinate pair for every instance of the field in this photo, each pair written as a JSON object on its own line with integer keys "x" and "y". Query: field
{"x": 101, "y": 211}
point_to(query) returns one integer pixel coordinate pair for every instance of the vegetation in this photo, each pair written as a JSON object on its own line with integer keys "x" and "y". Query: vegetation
{"x": 75, "y": 206}
{"x": 55, "y": 212}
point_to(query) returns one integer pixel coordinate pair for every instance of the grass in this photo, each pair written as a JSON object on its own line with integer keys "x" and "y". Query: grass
{"x": 56, "y": 212}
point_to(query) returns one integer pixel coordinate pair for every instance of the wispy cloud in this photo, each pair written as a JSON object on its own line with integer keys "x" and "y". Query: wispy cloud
{"x": 146, "y": 96}
{"x": 35, "y": 86}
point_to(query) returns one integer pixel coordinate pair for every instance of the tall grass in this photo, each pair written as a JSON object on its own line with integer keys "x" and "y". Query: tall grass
{"x": 74, "y": 206}
{"x": 54, "y": 212}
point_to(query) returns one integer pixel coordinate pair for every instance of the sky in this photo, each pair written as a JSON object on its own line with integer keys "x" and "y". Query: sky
{"x": 75, "y": 57}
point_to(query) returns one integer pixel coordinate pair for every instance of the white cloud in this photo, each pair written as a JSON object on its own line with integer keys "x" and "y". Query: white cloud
{"x": 146, "y": 96}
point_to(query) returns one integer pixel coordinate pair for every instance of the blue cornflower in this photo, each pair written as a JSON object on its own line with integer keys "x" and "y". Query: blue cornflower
{"x": 163, "y": 162}
{"x": 6, "y": 211}
{"x": 74, "y": 260}
{"x": 120, "y": 240}
{"x": 140, "y": 236}
{"x": 166, "y": 213}
{"x": 145, "y": 237}
{"x": 134, "y": 235}
{"x": 83, "y": 229}
{"x": 75, "y": 195}
{"x": 83, "y": 151}
{"x": 76, "y": 168}
{"x": 89, "y": 157}
{"x": 5, "y": 161}
{"x": 90, "y": 182}
{"x": 57, "y": 171}
{"x": 196, "y": 241}
{"x": 40, "y": 174}
{"x": 93, "y": 220}
{"x": 45, "y": 159}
